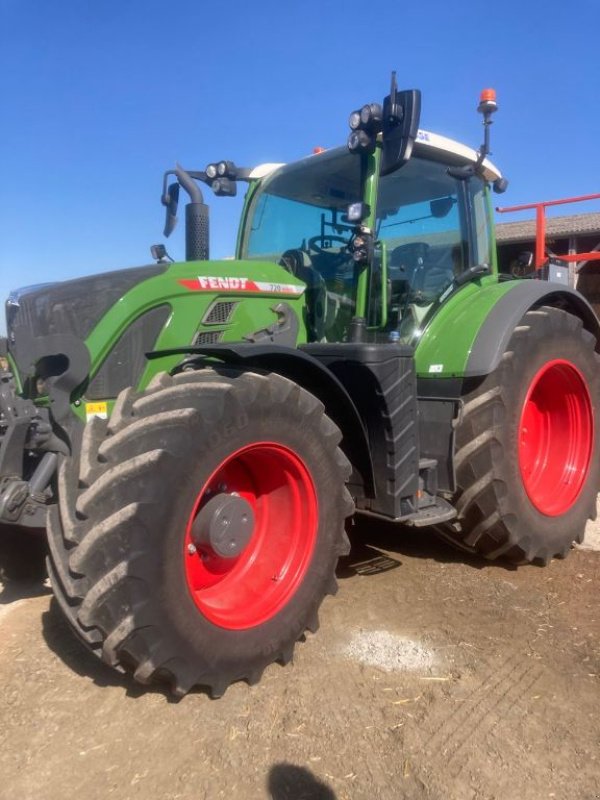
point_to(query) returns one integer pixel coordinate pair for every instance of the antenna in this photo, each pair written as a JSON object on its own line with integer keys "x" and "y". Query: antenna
{"x": 396, "y": 111}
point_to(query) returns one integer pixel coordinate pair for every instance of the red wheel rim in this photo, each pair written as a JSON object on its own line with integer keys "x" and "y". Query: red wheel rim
{"x": 556, "y": 434}
{"x": 249, "y": 589}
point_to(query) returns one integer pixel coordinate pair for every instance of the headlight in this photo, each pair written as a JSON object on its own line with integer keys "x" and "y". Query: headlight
{"x": 211, "y": 171}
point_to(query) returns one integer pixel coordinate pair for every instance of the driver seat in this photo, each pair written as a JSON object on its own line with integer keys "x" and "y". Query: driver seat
{"x": 298, "y": 263}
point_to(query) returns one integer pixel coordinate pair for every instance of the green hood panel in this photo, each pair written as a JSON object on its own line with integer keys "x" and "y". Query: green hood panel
{"x": 445, "y": 346}
{"x": 189, "y": 289}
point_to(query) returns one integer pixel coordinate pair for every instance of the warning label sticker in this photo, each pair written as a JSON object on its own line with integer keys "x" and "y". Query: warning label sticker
{"x": 96, "y": 410}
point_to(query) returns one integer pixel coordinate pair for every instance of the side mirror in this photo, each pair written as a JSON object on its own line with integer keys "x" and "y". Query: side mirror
{"x": 401, "y": 115}
{"x": 525, "y": 259}
{"x": 170, "y": 200}
{"x": 522, "y": 265}
{"x": 441, "y": 207}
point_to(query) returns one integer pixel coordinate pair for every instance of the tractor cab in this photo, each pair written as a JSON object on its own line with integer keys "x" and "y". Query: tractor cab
{"x": 380, "y": 232}
{"x": 429, "y": 227}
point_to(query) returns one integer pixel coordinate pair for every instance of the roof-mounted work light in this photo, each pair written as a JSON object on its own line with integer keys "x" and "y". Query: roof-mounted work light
{"x": 371, "y": 117}
{"x": 365, "y": 124}
{"x": 361, "y": 142}
{"x": 354, "y": 120}
{"x": 397, "y": 120}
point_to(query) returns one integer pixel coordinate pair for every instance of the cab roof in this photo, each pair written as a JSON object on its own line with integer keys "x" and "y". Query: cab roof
{"x": 425, "y": 143}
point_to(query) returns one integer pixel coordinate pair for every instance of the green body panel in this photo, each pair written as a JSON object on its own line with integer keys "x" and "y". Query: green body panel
{"x": 373, "y": 161}
{"x": 188, "y": 306}
{"x": 14, "y": 369}
{"x": 252, "y": 187}
{"x": 444, "y": 348}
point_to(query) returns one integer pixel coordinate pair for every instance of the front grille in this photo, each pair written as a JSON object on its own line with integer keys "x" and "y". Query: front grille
{"x": 219, "y": 313}
{"x": 126, "y": 362}
{"x": 207, "y": 337}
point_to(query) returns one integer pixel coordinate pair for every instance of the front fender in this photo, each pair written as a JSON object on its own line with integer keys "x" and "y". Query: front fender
{"x": 306, "y": 371}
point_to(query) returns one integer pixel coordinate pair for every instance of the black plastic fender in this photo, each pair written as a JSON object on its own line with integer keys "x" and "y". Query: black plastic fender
{"x": 72, "y": 365}
{"x": 493, "y": 337}
{"x": 308, "y": 372}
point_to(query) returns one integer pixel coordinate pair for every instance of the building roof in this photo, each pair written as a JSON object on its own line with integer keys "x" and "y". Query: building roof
{"x": 556, "y": 228}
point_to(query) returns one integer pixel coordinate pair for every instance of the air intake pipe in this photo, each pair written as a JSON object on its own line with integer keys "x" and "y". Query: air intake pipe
{"x": 196, "y": 214}
{"x": 196, "y": 219}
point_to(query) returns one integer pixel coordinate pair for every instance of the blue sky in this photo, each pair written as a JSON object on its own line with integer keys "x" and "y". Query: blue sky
{"x": 98, "y": 99}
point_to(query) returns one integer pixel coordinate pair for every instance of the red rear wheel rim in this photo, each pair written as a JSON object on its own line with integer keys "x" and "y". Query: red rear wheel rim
{"x": 556, "y": 435}
{"x": 247, "y": 590}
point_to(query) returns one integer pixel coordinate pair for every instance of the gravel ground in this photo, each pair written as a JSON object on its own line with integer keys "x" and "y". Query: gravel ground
{"x": 433, "y": 677}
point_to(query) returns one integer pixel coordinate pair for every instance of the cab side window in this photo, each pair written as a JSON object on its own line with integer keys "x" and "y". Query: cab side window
{"x": 421, "y": 219}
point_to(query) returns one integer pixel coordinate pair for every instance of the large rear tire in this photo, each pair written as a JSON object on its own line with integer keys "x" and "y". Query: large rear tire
{"x": 138, "y": 560}
{"x": 528, "y": 445}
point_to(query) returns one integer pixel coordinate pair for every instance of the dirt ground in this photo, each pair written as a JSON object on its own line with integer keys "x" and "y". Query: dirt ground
{"x": 434, "y": 677}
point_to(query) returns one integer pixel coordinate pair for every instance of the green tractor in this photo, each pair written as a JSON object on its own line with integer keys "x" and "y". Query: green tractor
{"x": 194, "y": 436}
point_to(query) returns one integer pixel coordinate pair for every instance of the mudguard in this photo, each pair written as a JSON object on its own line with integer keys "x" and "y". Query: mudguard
{"x": 469, "y": 333}
{"x": 493, "y": 336}
{"x": 308, "y": 372}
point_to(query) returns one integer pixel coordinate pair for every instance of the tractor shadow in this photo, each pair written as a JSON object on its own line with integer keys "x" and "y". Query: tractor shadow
{"x": 74, "y": 654}
{"x": 22, "y": 564}
{"x": 290, "y": 782}
{"x": 13, "y": 591}
{"x": 378, "y": 546}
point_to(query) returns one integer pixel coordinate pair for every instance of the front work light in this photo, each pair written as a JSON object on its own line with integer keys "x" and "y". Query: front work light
{"x": 226, "y": 169}
{"x": 223, "y": 187}
{"x": 211, "y": 171}
{"x": 356, "y": 212}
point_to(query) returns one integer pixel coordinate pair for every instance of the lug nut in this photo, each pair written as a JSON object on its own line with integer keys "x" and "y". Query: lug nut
{"x": 192, "y": 549}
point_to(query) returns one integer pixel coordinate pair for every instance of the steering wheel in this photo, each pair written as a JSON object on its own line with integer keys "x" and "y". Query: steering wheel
{"x": 322, "y": 238}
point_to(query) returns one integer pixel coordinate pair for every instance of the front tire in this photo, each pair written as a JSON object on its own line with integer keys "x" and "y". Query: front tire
{"x": 528, "y": 445}
{"x": 137, "y": 558}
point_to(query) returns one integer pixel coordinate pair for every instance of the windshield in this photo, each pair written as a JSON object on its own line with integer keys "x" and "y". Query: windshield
{"x": 301, "y": 202}
{"x": 296, "y": 220}
{"x": 431, "y": 224}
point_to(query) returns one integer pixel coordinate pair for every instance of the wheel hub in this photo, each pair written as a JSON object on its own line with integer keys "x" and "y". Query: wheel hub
{"x": 224, "y": 524}
{"x": 250, "y": 536}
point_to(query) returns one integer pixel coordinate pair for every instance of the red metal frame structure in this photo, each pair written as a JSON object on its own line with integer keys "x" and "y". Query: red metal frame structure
{"x": 540, "y": 228}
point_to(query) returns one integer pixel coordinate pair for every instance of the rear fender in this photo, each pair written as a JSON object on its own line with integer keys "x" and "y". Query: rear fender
{"x": 471, "y": 330}
{"x": 494, "y": 335}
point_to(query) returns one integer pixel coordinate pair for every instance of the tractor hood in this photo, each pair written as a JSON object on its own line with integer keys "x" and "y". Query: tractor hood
{"x": 71, "y": 307}
{"x": 64, "y": 313}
